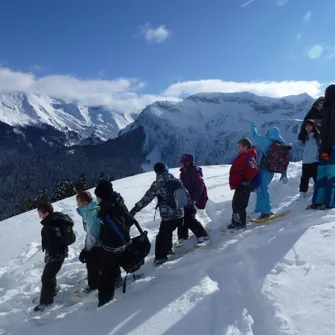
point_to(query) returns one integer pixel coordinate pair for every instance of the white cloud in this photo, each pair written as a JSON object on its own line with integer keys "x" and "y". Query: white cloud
{"x": 151, "y": 34}
{"x": 315, "y": 52}
{"x": 282, "y": 2}
{"x": 124, "y": 93}
{"x": 307, "y": 16}
{"x": 271, "y": 89}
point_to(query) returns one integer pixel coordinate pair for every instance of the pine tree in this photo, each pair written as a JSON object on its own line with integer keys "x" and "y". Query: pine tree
{"x": 42, "y": 197}
{"x": 101, "y": 178}
{"x": 82, "y": 184}
{"x": 28, "y": 204}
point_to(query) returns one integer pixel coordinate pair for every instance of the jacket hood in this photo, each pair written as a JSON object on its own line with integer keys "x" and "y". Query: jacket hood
{"x": 84, "y": 211}
{"x": 54, "y": 219}
{"x": 164, "y": 177}
{"x": 273, "y": 134}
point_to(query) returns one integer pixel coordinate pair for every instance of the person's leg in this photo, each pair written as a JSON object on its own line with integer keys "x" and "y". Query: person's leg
{"x": 183, "y": 230}
{"x": 194, "y": 225}
{"x": 306, "y": 175}
{"x": 92, "y": 265}
{"x": 330, "y": 184}
{"x": 164, "y": 238}
{"x": 263, "y": 204}
{"x": 109, "y": 272}
{"x": 49, "y": 282}
{"x": 321, "y": 180}
{"x": 240, "y": 204}
{"x": 314, "y": 171}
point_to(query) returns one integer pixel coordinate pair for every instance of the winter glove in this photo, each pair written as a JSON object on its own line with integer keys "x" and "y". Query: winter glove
{"x": 83, "y": 255}
{"x": 326, "y": 152}
{"x": 284, "y": 179}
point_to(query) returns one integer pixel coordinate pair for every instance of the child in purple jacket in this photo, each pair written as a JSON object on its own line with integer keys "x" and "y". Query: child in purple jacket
{"x": 192, "y": 178}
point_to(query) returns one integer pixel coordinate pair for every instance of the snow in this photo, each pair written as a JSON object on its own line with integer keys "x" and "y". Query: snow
{"x": 271, "y": 279}
{"x": 210, "y": 124}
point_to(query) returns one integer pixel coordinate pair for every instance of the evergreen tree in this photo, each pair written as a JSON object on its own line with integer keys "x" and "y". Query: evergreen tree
{"x": 42, "y": 197}
{"x": 102, "y": 177}
{"x": 65, "y": 189}
{"x": 82, "y": 184}
{"x": 28, "y": 204}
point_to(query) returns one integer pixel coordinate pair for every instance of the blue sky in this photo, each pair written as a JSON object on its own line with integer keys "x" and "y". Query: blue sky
{"x": 166, "y": 48}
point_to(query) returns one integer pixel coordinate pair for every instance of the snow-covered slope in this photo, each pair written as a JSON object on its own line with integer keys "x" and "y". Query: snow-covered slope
{"x": 210, "y": 124}
{"x": 19, "y": 109}
{"x": 274, "y": 279}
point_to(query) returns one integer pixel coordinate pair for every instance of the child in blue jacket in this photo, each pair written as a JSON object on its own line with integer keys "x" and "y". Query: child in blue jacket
{"x": 310, "y": 138}
{"x": 263, "y": 204}
{"x": 91, "y": 255}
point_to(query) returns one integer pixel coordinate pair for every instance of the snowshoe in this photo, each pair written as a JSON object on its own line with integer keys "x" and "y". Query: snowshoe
{"x": 88, "y": 290}
{"x": 118, "y": 282}
{"x": 158, "y": 262}
{"x": 316, "y": 207}
{"x": 202, "y": 239}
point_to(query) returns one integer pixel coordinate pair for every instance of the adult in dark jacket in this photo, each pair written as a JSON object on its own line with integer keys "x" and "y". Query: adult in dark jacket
{"x": 54, "y": 224}
{"x": 115, "y": 224}
{"x": 315, "y": 113}
{"x": 192, "y": 178}
{"x": 171, "y": 218}
{"x": 324, "y": 193}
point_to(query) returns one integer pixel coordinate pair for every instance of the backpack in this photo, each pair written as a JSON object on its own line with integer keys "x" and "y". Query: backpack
{"x": 177, "y": 196}
{"x": 276, "y": 158}
{"x": 68, "y": 235}
{"x": 134, "y": 256}
{"x": 201, "y": 204}
{"x": 256, "y": 183}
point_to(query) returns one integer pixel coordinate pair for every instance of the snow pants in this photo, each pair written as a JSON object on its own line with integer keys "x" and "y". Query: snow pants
{"x": 49, "y": 282}
{"x": 191, "y": 223}
{"x": 109, "y": 273}
{"x": 324, "y": 193}
{"x": 263, "y": 203}
{"x": 164, "y": 238}
{"x": 308, "y": 171}
{"x": 93, "y": 264}
{"x": 240, "y": 204}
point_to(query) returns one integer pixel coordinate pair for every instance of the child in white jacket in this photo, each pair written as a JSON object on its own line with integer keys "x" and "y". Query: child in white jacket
{"x": 310, "y": 138}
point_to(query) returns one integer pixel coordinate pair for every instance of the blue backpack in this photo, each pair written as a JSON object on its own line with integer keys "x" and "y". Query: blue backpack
{"x": 256, "y": 183}
{"x": 177, "y": 195}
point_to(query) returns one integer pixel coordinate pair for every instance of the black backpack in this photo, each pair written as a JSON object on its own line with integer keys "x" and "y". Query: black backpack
{"x": 68, "y": 235}
{"x": 135, "y": 254}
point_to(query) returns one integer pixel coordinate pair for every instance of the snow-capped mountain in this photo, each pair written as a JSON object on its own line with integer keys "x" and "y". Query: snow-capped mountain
{"x": 210, "y": 124}
{"x": 77, "y": 122}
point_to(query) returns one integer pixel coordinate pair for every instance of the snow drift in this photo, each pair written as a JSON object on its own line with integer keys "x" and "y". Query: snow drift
{"x": 273, "y": 279}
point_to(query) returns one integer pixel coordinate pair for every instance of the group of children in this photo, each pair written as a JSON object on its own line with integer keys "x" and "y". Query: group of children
{"x": 107, "y": 221}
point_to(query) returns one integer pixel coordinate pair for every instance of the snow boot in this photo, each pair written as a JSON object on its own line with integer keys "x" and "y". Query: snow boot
{"x": 316, "y": 207}
{"x": 171, "y": 252}
{"x": 264, "y": 216}
{"x": 41, "y": 307}
{"x": 88, "y": 289}
{"x": 234, "y": 226}
{"x": 202, "y": 239}
{"x": 158, "y": 262}
{"x": 303, "y": 195}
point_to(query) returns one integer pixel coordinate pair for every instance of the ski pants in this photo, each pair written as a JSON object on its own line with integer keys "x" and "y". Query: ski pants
{"x": 191, "y": 223}
{"x": 164, "y": 238}
{"x": 109, "y": 273}
{"x": 263, "y": 203}
{"x": 324, "y": 193}
{"x": 240, "y": 204}
{"x": 308, "y": 171}
{"x": 49, "y": 282}
{"x": 93, "y": 264}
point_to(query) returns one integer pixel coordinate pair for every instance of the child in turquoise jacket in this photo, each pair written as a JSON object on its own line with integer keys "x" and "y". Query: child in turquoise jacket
{"x": 263, "y": 203}
{"x": 91, "y": 255}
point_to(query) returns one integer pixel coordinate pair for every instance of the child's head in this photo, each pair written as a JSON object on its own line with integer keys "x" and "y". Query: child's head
{"x": 244, "y": 145}
{"x": 83, "y": 199}
{"x": 310, "y": 126}
{"x": 44, "y": 210}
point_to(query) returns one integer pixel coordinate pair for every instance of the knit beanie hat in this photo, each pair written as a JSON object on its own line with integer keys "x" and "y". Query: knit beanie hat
{"x": 104, "y": 190}
{"x": 160, "y": 168}
{"x": 187, "y": 158}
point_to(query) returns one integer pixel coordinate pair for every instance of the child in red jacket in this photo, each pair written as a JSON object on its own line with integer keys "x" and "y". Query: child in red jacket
{"x": 242, "y": 172}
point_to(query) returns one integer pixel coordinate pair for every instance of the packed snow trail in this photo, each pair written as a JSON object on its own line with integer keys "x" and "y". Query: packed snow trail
{"x": 271, "y": 279}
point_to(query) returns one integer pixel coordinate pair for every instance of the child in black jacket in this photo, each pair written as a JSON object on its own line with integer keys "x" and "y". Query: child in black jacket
{"x": 56, "y": 250}
{"x": 115, "y": 225}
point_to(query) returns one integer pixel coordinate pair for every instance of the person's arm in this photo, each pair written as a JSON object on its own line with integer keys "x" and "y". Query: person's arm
{"x": 149, "y": 196}
{"x": 255, "y": 135}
